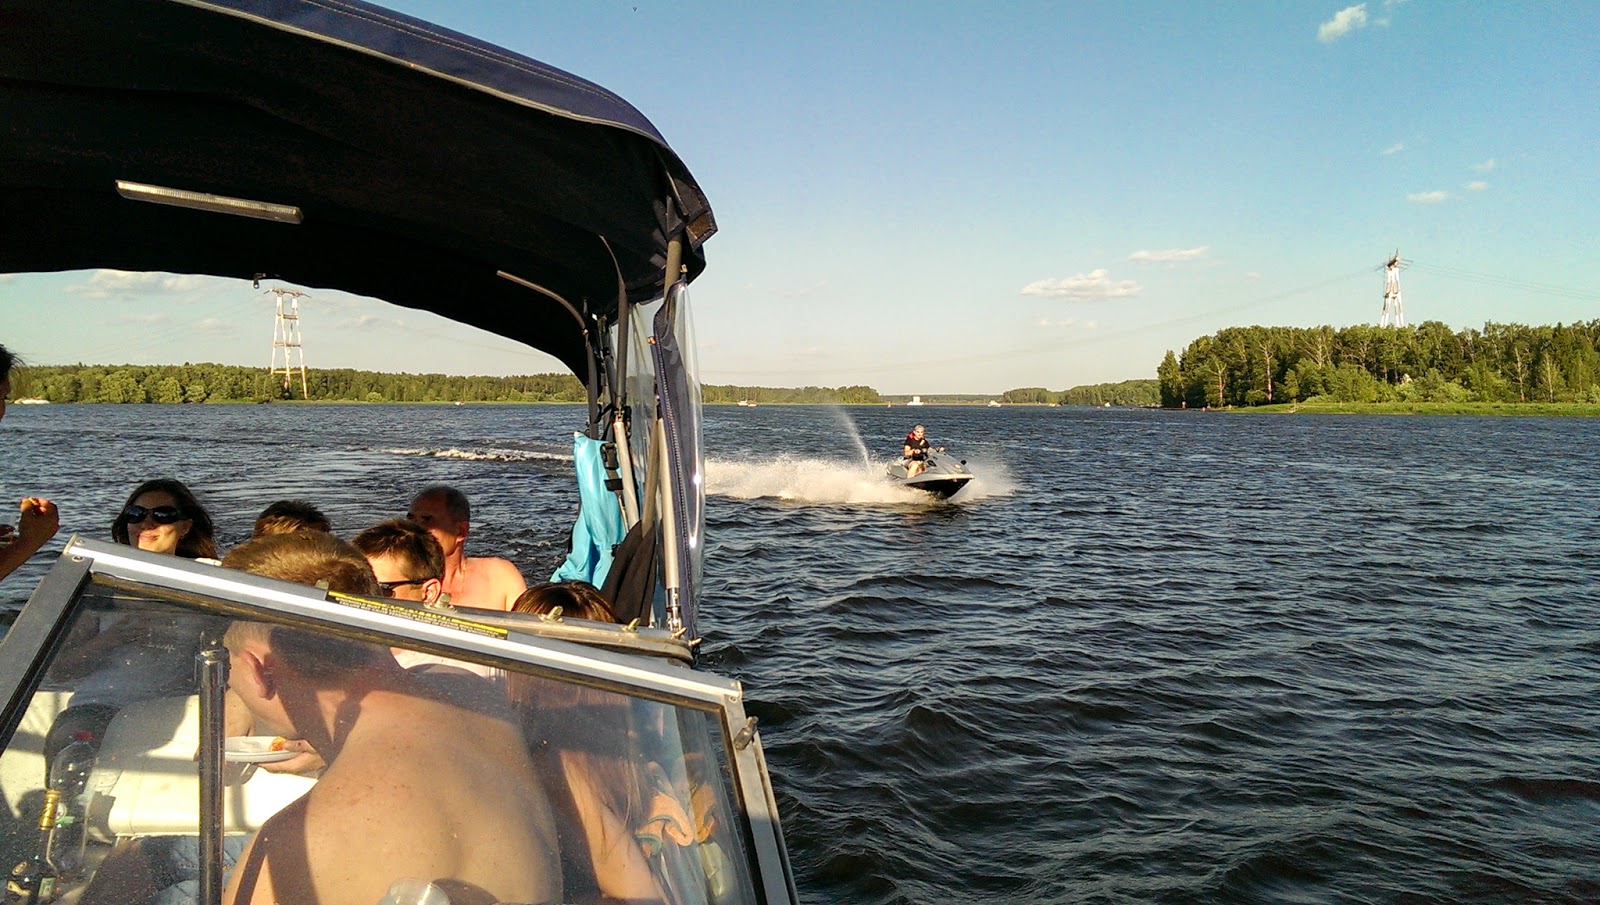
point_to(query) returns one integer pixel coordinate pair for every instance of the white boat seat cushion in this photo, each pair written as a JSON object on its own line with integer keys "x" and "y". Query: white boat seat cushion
{"x": 147, "y": 777}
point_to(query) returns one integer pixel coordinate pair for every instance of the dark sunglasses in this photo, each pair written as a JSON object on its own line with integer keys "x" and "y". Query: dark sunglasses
{"x": 163, "y": 515}
{"x": 389, "y": 586}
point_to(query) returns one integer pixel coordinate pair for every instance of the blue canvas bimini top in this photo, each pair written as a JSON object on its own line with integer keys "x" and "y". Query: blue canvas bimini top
{"x": 423, "y": 162}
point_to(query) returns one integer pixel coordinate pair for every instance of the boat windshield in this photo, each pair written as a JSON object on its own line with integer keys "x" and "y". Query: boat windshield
{"x": 606, "y": 780}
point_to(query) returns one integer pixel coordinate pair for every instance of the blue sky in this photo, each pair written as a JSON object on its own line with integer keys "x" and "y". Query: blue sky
{"x": 965, "y": 197}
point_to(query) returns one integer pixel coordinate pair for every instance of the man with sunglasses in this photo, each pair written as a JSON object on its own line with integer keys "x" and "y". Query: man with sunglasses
{"x": 485, "y": 582}
{"x": 408, "y": 564}
{"x": 405, "y": 558}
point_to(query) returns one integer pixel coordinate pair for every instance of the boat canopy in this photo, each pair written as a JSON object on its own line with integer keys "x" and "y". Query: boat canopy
{"x": 322, "y": 155}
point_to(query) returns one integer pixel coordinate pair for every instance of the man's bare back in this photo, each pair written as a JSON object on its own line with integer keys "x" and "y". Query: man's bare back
{"x": 419, "y": 788}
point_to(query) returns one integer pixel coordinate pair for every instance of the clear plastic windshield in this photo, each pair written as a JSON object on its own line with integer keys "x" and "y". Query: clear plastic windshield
{"x": 345, "y": 773}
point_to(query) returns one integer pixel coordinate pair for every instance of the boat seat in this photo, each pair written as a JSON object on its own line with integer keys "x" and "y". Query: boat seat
{"x": 147, "y": 781}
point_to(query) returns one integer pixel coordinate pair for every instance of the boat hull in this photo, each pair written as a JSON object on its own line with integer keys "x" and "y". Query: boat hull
{"x": 944, "y": 477}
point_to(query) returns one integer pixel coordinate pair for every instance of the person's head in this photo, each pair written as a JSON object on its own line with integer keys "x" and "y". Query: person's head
{"x": 266, "y": 657}
{"x": 576, "y": 599}
{"x": 405, "y": 558}
{"x": 6, "y": 361}
{"x": 444, "y": 512}
{"x": 918, "y": 431}
{"x": 163, "y": 516}
{"x": 306, "y": 557}
{"x": 289, "y": 516}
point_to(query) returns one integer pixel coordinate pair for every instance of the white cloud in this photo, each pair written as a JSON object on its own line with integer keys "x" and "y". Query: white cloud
{"x": 1252, "y": 275}
{"x": 1169, "y": 255}
{"x": 7, "y": 277}
{"x": 214, "y": 326}
{"x": 1091, "y": 286}
{"x": 1484, "y": 167}
{"x": 1395, "y": 148}
{"x": 1343, "y": 22}
{"x": 1046, "y": 323}
{"x": 1477, "y": 185}
{"x": 107, "y": 283}
{"x": 1433, "y": 197}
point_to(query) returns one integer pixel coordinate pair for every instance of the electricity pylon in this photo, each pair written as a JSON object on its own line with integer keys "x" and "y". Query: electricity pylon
{"x": 286, "y": 336}
{"x": 1391, "y": 291}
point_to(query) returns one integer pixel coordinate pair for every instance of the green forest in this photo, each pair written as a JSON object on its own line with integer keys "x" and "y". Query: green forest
{"x": 216, "y": 383}
{"x": 1127, "y": 392}
{"x": 1429, "y": 362}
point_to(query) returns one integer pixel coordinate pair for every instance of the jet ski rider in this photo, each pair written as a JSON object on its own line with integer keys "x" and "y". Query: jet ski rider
{"x": 915, "y": 452}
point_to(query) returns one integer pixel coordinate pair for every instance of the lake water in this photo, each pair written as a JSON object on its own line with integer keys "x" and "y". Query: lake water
{"x": 1147, "y": 657}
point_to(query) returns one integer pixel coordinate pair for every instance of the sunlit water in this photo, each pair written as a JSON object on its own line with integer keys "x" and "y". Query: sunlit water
{"x": 1146, "y": 657}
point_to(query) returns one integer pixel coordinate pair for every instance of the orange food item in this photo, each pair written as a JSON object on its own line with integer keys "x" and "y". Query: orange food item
{"x": 279, "y": 743}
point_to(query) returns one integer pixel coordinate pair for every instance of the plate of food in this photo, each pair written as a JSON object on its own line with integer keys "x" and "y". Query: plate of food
{"x": 256, "y": 749}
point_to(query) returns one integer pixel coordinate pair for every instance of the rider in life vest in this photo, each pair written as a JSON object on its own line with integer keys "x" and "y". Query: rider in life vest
{"x": 915, "y": 451}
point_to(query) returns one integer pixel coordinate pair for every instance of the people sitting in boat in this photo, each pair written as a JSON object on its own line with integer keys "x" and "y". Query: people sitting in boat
{"x": 37, "y": 519}
{"x": 915, "y": 451}
{"x": 418, "y": 783}
{"x": 289, "y": 516}
{"x": 114, "y": 659}
{"x": 486, "y": 582}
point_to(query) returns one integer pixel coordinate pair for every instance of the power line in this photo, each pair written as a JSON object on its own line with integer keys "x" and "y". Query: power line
{"x": 1489, "y": 279}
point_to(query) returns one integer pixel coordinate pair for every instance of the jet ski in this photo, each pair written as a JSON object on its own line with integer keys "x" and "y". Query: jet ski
{"x": 944, "y": 476}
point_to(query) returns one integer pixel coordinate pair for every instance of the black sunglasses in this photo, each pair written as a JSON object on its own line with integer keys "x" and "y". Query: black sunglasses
{"x": 163, "y": 515}
{"x": 389, "y": 586}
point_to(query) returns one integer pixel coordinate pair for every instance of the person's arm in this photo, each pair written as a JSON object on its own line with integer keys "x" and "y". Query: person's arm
{"x": 37, "y": 523}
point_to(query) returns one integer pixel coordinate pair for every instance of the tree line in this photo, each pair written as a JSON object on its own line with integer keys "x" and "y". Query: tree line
{"x": 217, "y": 383}
{"x": 1428, "y": 362}
{"x": 195, "y": 383}
{"x": 1127, "y": 392}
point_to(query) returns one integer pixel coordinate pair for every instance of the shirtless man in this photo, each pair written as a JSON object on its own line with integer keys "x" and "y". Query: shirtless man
{"x": 485, "y": 582}
{"x": 419, "y": 784}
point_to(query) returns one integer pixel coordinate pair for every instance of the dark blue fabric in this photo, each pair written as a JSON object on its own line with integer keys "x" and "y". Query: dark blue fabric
{"x": 414, "y": 42}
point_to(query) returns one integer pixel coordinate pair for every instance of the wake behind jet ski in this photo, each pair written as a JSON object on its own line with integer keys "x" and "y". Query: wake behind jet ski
{"x": 925, "y": 467}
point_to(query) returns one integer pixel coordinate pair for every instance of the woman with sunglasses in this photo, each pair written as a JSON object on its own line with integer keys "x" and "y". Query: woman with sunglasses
{"x": 114, "y": 659}
{"x": 163, "y": 516}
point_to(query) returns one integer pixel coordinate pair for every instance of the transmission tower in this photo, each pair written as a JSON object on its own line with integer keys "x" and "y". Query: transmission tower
{"x": 286, "y": 336}
{"x": 1391, "y": 290}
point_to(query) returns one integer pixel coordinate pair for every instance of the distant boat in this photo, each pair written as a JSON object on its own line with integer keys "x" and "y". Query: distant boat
{"x": 748, "y": 404}
{"x": 995, "y": 403}
{"x": 34, "y": 401}
{"x": 915, "y": 400}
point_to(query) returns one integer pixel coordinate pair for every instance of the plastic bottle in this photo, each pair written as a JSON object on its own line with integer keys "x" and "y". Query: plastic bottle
{"x": 69, "y": 775}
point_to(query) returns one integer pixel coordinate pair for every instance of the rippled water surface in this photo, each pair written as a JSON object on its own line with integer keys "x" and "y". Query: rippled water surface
{"x": 1147, "y": 657}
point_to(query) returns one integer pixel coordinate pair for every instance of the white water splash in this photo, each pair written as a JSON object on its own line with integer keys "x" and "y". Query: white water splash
{"x": 835, "y": 482}
{"x": 855, "y": 434}
{"x": 488, "y": 455}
